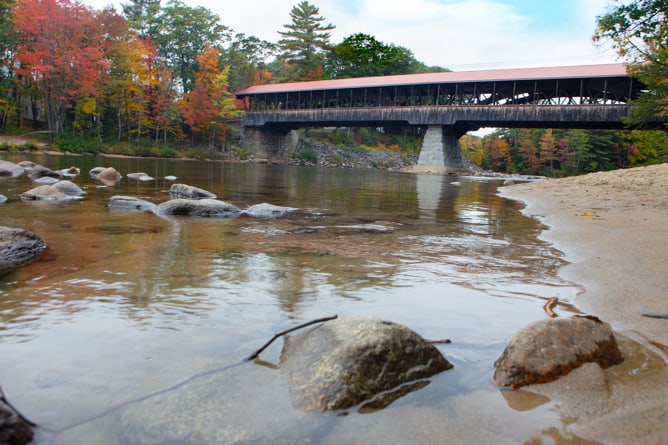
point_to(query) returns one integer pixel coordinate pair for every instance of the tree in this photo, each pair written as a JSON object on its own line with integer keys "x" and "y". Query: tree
{"x": 139, "y": 13}
{"x": 639, "y": 32}
{"x": 303, "y": 43}
{"x": 247, "y": 57}
{"x": 8, "y": 97}
{"x": 361, "y": 55}
{"x": 209, "y": 102}
{"x": 60, "y": 52}
{"x": 181, "y": 33}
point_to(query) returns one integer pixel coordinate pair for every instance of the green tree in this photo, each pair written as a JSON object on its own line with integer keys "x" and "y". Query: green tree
{"x": 304, "y": 43}
{"x": 247, "y": 58}
{"x": 361, "y": 55}
{"x": 138, "y": 13}
{"x": 639, "y": 32}
{"x": 181, "y": 33}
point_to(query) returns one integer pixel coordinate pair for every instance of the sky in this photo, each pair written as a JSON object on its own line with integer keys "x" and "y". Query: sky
{"x": 460, "y": 35}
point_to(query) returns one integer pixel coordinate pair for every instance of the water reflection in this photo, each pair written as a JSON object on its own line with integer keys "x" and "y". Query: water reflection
{"x": 135, "y": 302}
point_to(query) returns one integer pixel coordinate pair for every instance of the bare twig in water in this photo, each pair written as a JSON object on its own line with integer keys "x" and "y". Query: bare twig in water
{"x": 654, "y": 315}
{"x": 443, "y": 341}
{"x": 551, "y": 303}
{"x": 287, "y": 331}
{"x": 21, "y": 416}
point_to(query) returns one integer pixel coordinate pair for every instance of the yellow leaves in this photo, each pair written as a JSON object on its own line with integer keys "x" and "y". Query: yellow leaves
{"x": 587, "y": 214}
{"x": 87, "y": 105}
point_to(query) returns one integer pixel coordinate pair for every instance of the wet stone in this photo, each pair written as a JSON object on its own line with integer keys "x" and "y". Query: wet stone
{"x": 345, "y": 362}
{"x": 18, "y": 247}
{"x": 130, "y": 203}
{"x": 189, "y": 192}
{"x": 209, "y": 208}
{"x": 14, "y": 429}
{"x": 266, "y": 210}
{"x": 548, "y": 349}
{"x": 48, "y": 193}
{"x": 10, "y": 170}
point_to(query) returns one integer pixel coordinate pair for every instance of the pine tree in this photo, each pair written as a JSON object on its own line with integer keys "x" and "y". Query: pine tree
{"x": 303, "y": 43}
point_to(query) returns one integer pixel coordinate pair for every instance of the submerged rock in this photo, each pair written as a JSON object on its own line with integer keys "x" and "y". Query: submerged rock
{"x": 189, "y": 192}
{"x": 242, "y": 405}
{"x": 18, "y": 247}
{"x": 210, "y": 208}
{"x": 265, "y": 210}
{"x": 344, "y": 362}
{"x": 547, "y": 349}
{"x": 129, "y": 203}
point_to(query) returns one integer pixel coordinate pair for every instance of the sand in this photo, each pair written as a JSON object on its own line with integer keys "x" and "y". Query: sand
{"x": 613, "y": 230}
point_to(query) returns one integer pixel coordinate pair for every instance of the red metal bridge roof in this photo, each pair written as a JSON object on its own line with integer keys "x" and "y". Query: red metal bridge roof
{"x": 557, "y": 72}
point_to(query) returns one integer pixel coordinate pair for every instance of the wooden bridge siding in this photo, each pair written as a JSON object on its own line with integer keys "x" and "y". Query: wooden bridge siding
{"x": 555, "y": 91}
{"x": 507, "y": 116}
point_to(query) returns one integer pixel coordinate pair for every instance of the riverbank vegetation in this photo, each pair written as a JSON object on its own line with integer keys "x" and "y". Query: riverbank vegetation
{"x": 158, "y": 80}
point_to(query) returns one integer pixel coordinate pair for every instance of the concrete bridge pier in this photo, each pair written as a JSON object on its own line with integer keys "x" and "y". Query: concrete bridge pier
{"x": 440, "y": 148}
{"x": 270, "y": 143}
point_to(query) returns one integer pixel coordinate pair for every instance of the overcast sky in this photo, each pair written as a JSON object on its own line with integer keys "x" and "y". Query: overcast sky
{"x": 456, "y": 34}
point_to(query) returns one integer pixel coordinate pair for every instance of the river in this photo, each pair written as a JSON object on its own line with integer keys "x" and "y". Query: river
{"x": 125, "y": 308}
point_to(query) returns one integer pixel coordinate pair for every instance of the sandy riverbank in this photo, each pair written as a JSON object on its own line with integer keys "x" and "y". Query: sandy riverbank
{"x": 613, "y": 229}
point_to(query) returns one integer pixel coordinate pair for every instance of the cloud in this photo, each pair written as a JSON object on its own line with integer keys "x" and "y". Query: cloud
{"x": 456, "y": 34}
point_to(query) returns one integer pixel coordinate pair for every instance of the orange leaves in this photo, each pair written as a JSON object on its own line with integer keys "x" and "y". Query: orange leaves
{"x": 59, "y": 49}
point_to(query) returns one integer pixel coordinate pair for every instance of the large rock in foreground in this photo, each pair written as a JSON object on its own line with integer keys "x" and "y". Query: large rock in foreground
{"x": 18, "y": 247}
{"x": 14, "y": 428}
{"x": 547, "y": 349}
{"x": 344, "y": 362}
{"x": 209, "y": 208}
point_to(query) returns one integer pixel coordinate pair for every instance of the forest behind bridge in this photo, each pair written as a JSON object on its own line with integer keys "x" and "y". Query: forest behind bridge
{"x": 158, "y": 79}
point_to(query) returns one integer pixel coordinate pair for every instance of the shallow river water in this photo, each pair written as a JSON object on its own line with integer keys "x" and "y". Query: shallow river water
{"x": 130, "y": 323}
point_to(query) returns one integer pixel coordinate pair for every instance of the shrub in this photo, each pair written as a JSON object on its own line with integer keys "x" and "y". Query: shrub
{"x": 308, "y": 156}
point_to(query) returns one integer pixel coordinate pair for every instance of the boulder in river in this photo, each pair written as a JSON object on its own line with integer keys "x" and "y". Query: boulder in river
{"x": 10, "y": 170}
{"x": 141, "y": 176}
{"x": 547, "y": 349}
{"x": 130, "y": 203}
{"x": 69, "y": 188}
{"x": 265, "y": 210}
{"x": 39, "y": 171}
{"x": 108, "y": 176}
{"x": 189, "y": 192}
{"x": 210, "y": 208}
{"x": 346, "y": 361}
{"x": 47, "y": 193}
{"x": 18, "y": 247}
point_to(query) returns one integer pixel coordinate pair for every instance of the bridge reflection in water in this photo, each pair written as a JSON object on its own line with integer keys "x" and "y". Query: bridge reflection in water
{"x": 447, "y": 104}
